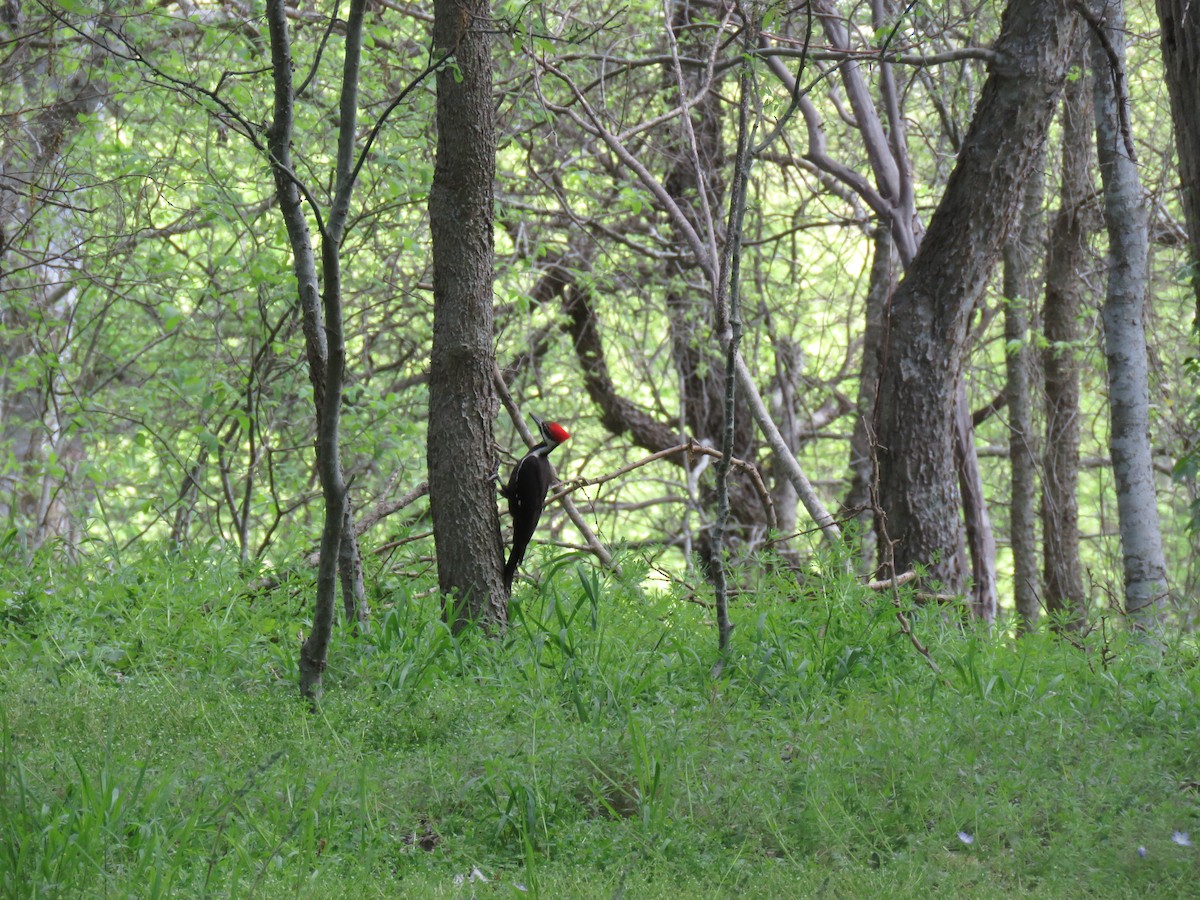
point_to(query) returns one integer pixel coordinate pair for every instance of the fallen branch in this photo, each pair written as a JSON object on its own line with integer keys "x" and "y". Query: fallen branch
{"x": 885, "y": 584}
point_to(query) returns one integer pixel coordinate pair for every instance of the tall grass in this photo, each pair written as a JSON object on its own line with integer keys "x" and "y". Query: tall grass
{"x": 153, "y": 743}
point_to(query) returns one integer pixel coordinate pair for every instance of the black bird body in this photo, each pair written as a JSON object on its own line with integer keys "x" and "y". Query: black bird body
{"x": 526, "y": 493}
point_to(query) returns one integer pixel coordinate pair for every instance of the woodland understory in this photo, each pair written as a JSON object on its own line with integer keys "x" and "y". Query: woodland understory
{"x": 863, "y": 334}
{"x": 909, "y": 287}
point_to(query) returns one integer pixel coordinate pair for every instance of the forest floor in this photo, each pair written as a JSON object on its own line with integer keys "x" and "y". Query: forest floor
{"x": 153, "y": 743}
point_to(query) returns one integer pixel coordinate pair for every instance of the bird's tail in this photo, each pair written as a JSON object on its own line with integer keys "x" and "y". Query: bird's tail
{"x": 514, "y": 559}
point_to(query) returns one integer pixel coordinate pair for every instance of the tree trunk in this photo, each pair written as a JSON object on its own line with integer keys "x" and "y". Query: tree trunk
{"x": 1180, "y": 21}
{"x": 462, "y": 397}
{"x": 1061, "y": 306}
{"x": 1020, "y": 258}
{"x": 1124, "y": 325}
{"x": 981, "y": 539}
{"x": 350, "y": 573}
{"x": 927, "y": 336}
{"x": 321, "y": 313}
{"x": 46, "y": 106}
{"x": 857, "y": 502}
{"x": 694, "y": 183}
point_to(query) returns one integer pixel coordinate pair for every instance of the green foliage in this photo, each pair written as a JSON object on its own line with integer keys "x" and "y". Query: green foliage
{"x": 153, "y": 743}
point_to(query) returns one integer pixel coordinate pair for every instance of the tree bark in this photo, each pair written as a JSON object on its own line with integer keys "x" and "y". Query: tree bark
{"x": 1180, "y": 33}
{"x": 1061, "y": 306}
{"x": 729, "y": 321}
{"x": 1123, "y": 314}
{"x": 926, "y": 342}
{"x": 1020, "y": 258}
{"x": 461, "y": 448}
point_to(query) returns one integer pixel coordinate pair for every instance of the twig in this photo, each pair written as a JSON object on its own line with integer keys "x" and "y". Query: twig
{"x": 692, "y": 448}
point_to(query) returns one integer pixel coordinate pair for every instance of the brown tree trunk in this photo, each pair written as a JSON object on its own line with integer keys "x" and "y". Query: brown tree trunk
{"x": 461, "y": 449}
{"x": 926, "y": 341}
{"x": 1180, "y": 21}
{"x": 1061, "y": 306}
{"x": 1020, "y": 259}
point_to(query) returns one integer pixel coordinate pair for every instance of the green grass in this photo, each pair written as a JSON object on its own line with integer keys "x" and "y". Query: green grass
{"x": 153, "y": 743}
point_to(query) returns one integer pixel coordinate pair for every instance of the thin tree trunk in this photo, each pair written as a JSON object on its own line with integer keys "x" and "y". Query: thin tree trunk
{"x": 321, "y": 310}
{"x": 350, "y": 573}
{"x": 729, "y": 321}
{"x": 1020, "y": 257}
{"x": 694, "y": 183}
{"x": 461, "y": 448}
{"x": 857, "y": 502}
{"x": 926, "y": 343}
{"x": 981, "y": 539}
{"x": 1124, "y": 324}
{"x": 45, "y": 107}
{"x": 1061, "y": 305}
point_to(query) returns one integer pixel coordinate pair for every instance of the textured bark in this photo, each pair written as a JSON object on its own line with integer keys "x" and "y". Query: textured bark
{"x": 1061, "y": 307}
{"x": 1124, "y": 326}
{"x": 1180, "y": 21}
{"x": 462, "y": 396}
{"x": 924, "y": 350}
{"x": 1020, "y": 260}
{"x": 729, "y": 318}
{"x": 350, "y": 572}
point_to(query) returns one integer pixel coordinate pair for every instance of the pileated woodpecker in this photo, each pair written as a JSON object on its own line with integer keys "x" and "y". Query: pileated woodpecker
{"x": 526, "y": 493}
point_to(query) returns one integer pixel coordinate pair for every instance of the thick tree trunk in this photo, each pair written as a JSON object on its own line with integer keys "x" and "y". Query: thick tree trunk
{"x": 1061, "y": 307}
{"x": 925, "y": 346}
{"x": 1180, "y": 21}
{"x": 1020, "y": 259}
{"x": 1124, "y": 325}
{"x": 462, "y": 396}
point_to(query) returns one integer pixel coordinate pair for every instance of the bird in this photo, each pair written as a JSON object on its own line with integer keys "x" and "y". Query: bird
{"x": 526, "y": 493}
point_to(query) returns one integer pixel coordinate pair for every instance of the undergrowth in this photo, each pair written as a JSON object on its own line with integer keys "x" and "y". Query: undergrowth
{"x": 153, "y": 743}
